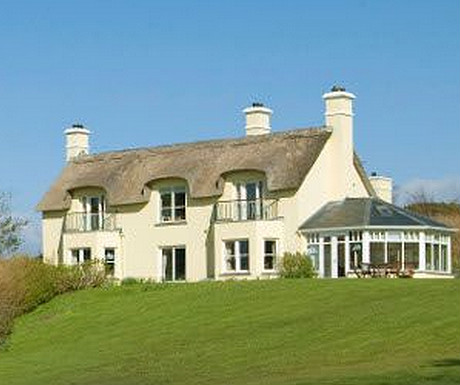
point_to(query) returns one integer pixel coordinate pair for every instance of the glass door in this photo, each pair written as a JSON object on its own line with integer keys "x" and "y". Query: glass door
{"x": 174, "y": 264}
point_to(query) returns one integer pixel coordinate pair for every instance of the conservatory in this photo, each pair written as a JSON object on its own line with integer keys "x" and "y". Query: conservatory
{"x": 359, "y": 237}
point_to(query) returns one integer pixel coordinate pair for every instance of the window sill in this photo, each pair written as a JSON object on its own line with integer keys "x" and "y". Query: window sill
{"x": 171, "y": 223}
{"x": 234, "y": 273}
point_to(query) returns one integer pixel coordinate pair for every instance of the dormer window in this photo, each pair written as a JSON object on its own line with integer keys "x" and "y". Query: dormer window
{"x": 173, "y": 204}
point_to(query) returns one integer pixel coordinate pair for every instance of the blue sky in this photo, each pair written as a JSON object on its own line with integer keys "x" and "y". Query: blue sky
{"x": 141, "y": 73}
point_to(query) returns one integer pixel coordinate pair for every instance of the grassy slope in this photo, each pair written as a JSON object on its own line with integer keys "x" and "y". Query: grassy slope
{"x": 277, "y": 332}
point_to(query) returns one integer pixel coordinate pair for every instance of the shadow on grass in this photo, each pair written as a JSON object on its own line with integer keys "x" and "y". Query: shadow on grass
{"x": 447, "y": 362}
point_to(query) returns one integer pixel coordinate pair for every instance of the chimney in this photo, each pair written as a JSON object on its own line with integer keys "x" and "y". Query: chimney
{"x": 257, "y": 119}
{"x": 339, "y": 118}
{"x": 383, "y": 187}
{"x": 77, "y": 141}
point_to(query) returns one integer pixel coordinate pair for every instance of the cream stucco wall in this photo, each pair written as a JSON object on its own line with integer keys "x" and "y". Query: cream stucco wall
{"x": 52, "y": 229}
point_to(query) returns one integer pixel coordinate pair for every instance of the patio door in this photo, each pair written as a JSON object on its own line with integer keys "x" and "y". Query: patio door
{"x": 173, "y": 264}
{"x": 94, "y": 208}
{"x": 249, "y": 200}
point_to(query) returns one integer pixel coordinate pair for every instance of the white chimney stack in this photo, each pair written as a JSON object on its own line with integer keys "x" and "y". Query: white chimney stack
{"x": 383, "y": 187}
{"x": 257, "y": 119}
{"x": 77, "y": 141}
{"x": 339, "y": 118}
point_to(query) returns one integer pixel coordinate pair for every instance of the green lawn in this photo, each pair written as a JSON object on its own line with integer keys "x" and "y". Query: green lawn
{"x": 265, "y": 332}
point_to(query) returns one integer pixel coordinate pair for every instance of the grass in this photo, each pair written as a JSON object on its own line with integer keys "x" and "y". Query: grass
{"x": 266, "y": 332}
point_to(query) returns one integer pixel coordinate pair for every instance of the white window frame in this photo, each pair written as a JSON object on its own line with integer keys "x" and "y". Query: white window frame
{"x": 80, "y": 258}
{"x": 237, "y": 256}
{"x": 275, "y": 255}
{"x": 173, "y": 191}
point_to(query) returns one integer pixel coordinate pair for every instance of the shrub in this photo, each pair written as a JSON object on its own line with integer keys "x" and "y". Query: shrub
{"x": 130, "y": 281}
{"x": 26, "y": 283}
{"x": 296, "y": 265}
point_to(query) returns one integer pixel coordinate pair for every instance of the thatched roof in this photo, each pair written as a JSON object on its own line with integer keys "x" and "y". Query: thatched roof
{"x": 364, "y": 212}
{"x": 285, "y": 158}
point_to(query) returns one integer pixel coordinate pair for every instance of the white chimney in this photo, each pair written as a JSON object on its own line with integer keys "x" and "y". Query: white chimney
{"x": 77, "y": 141}
{"x": 257, "y": 119}
{"x": 339, "y": 118}
{"x": 383, "y": 187}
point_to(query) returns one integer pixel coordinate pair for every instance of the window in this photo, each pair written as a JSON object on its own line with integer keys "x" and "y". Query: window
{"x": 173, "y": 204}
{"x": 236, "y": 256}
{"x": 81, "y": 255}
{"x": 173, "y": 263}
{"x": 270, "y": 254}
{"x": 109, "y": 258}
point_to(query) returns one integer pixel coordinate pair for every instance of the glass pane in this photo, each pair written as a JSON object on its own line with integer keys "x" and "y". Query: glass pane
{"x": 166, "y": 199}
{"x": 436, "y": 257}
{"x": 251, "y": 191}
{"x": 180, "y": 214}
{"x": 270, "y": 247}
{"x": 94, "y": 205}
{"x": 109, "y": 255}
{"x": 86, "y": 255}
{"x": 341, "y": 259}
{"x": 180, "y": 264}
{"x": 444, "y": 266}
{"x": 75, "y": 256}
{"x": 230, "y": 248}
{"x": 166, "y": 215}
{"x": 230, "y": 263}
{"x": 394, "y": 252}
{"x": 94, "y": 221}
{"x": 327, "y": 260}
{"x": 377, "y": 250}
{"x": 168, "y": 265}
{"x": 244, "y": 262}
{"x": 244, "y": 247}
{"x": 269, "y": 263}
{"x": 411, "y": 257}
{"x": 179, "y": 199}
{"x": 356, "y": 255}
{"x": 313, "y": 253}
{"x": 428, "y": 256}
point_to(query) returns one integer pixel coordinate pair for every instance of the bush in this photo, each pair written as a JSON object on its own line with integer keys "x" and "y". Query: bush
{"x": 296, "y": 265}
{"x": 26, "y": 283}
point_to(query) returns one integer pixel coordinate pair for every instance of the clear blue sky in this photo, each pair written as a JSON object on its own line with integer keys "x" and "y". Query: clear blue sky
{"x": 141, "y": 73}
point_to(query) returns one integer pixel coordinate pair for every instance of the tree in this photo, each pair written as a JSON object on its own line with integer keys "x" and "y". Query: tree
{"x": 10, "y": 227}
{"x": 445, "y": 212}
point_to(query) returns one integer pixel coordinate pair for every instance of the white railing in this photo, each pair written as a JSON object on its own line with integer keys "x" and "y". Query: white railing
{"x": 82, "y": 222}
{"x": 246, "y": 210}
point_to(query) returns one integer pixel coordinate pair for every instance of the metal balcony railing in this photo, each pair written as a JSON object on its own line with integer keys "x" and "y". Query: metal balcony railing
{"x": 83, "y": 222}
{"x": 246, "y": 210}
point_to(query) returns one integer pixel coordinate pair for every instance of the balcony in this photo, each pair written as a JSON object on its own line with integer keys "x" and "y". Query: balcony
{"x": 85, "y": 222}
{"x": 246, "y": 210}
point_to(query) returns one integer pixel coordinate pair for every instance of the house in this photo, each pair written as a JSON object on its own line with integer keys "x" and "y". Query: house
{"x": 230, "y": 208}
